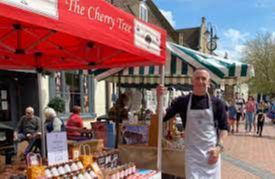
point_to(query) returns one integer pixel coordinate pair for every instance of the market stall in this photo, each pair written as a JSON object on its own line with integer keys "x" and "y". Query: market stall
{"x": 69, "y": 35}
{"x": 179, "y": 67}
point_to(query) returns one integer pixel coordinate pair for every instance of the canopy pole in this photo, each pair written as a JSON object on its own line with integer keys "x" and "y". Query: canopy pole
{"x": 43, "y": 142}
{"x": 160, "y": 116}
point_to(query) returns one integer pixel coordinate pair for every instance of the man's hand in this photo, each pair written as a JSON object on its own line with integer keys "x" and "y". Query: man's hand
{"x": 161, "y": 90}
{"x": 15, "y": 136}
{"x": 36, "y": 135}
{"x": 29, "y": 136}
{"x": 214, "y": 154}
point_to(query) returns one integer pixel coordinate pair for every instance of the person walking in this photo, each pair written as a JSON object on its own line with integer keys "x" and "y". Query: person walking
{"x": 239, "y": 104}
{"x": 260, "y": 118}
{"x": 202, "y": 116}
{"x": 232, "y": 116}
{"x": 250, "y": 108}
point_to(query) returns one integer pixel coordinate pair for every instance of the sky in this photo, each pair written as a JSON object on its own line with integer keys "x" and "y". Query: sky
{"x": 235, "y": 21}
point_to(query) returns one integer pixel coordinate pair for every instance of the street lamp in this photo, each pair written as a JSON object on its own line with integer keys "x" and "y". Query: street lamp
{"x": 211, "y": 37}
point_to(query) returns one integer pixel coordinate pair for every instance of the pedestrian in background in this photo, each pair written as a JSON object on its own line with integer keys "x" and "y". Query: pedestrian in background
{"x": 260, "y": 118}
{"x": 250, "y": 108}
{"x": 232, "y": 115}
{"x": 239, "y": 104}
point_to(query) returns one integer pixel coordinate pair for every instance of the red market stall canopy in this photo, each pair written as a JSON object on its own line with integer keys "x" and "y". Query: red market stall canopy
{"x": 75, "y": 34}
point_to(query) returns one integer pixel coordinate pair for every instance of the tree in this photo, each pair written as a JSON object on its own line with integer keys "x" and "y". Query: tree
{"x": 261, "y": 53}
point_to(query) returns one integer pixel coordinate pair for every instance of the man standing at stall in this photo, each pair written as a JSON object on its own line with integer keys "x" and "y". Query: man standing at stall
{"x": 205, "y": 121}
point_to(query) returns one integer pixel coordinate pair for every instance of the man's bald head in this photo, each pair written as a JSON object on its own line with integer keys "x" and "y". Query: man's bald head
{"x": 29, "y": 112}
{"x": 200, "y": 81}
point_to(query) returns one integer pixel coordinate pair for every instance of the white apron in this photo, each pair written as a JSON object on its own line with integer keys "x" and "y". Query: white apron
{"x": 200, "y": 136}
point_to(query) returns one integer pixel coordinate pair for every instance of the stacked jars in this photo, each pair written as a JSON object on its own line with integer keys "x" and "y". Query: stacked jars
{"x": 65, "y": 170}
{"x": 120, "y": 172}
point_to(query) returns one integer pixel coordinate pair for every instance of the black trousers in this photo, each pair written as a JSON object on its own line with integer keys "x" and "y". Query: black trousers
{"x": 239, "y": 115}
{"x": 260, "y": 126}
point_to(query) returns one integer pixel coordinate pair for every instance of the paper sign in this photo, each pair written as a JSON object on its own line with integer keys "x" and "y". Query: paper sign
{"x": 4, "y": 105}
{"x": 3, "y": 94}
{"x": 57, "y": 148}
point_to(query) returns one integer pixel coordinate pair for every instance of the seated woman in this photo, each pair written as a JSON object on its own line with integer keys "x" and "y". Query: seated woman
{"x": 52, "y": 122}
{"x": 75, "y": 125}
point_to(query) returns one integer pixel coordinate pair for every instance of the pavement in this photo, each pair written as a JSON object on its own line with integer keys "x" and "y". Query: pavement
{"x": 248, "y": 155}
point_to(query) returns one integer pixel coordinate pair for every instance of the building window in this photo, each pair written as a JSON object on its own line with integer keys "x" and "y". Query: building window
{"x": 4, "y": 103}
{"x": 72, "y": 86}
{"x": 143, "y": 11}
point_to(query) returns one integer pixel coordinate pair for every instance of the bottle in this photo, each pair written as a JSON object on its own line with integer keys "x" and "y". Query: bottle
{"x": 80, "y": 176}
{"x": 61, "y": 170}
{"x": 80, "y": 165}
{"x": 74, "y": 167}
{"x": 48, "y": 172}
{"x": 67, "y": 168}
{"x": 86, "y": 175}
{"x": 92, "y": 174}
{"x": 54, "y": 171}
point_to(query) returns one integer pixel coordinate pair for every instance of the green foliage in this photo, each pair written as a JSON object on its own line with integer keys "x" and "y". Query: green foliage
{"x": 58, "y": 104}
{"x": 261, "y": 53}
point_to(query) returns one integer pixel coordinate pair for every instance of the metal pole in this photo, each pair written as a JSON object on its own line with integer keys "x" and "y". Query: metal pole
{"x": 211, "y": 39}
{"x": 43, "y": 142}
{"x": 160, "y": 116}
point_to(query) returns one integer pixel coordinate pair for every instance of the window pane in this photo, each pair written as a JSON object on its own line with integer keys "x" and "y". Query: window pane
{"x": 86, "y": 93}
{"x": 72, "y": 90}
{"x": 143, "y": 12}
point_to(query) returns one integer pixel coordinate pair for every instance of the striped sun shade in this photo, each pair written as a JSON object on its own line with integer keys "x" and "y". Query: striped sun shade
{"x": 179, "y": 67}
{"x": 176, "y": 72}
{"x": 220, "y": 69}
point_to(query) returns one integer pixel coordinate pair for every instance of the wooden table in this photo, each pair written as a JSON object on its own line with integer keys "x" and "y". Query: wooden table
{"x": 146, "y": 157}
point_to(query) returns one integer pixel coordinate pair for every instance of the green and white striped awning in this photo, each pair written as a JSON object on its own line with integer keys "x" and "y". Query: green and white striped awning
{"x": 220, "y": 69}
{"x": 176, "y": 72}
{"x": 179, "y": 67}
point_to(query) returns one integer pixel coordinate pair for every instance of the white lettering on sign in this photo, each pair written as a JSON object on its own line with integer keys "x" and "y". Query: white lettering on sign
{"x": 123, "y": 26}
{"x": 95, "y": 13}
{"x": 75, "y": 7}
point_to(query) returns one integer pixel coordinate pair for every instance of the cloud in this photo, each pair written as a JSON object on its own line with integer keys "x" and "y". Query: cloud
{"x": 235, "y": 35}
{"x": 169, "y": 16}
{"x": 264, "y": 3}
{"x": 232, "y": 42}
